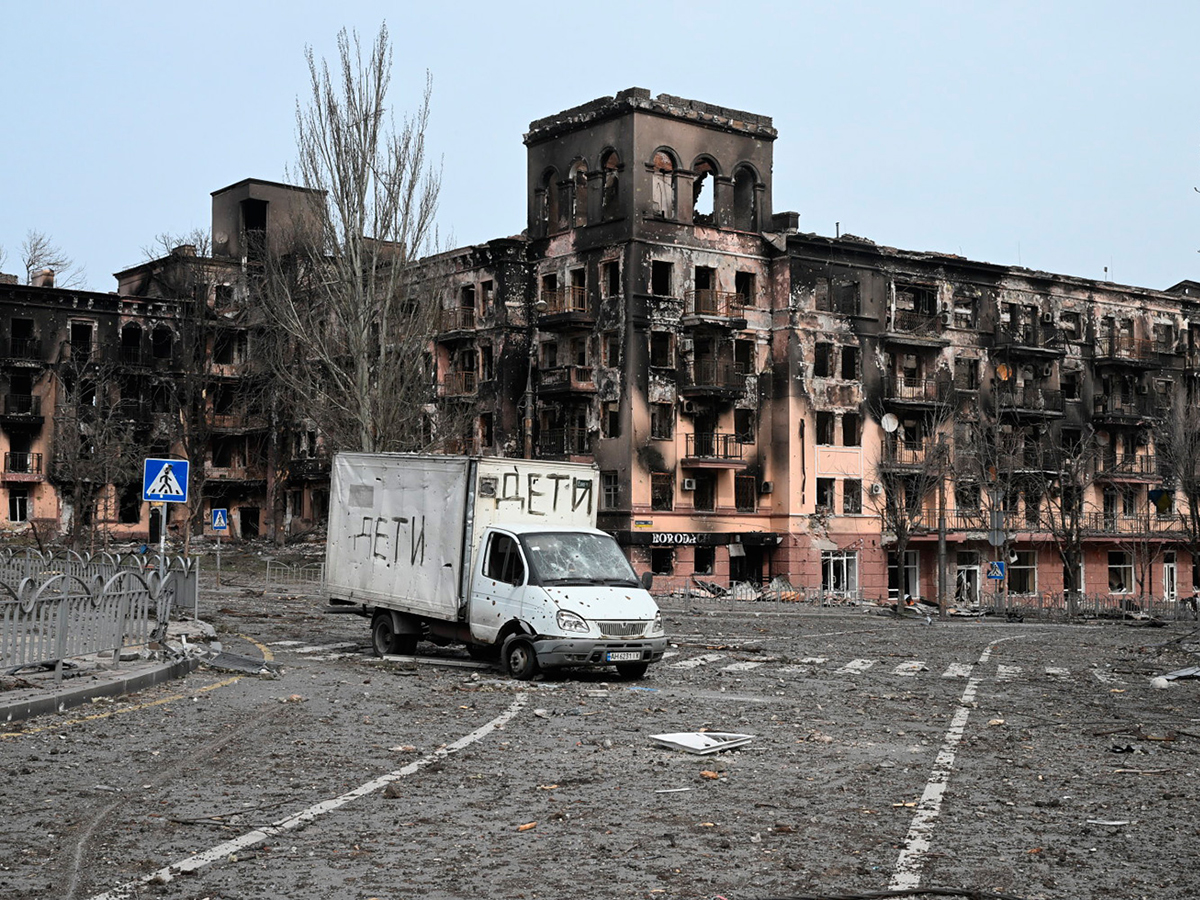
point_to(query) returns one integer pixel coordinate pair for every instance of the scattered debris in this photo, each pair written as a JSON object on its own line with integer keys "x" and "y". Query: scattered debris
{"x": 671, "y": 790}
{"x": 703, "y": 743}
{"x": 244, "y": 665}
{"x": 528, "y": 826}
{"x": 1113, "y": 822}
{"x": 1190, "y": 672}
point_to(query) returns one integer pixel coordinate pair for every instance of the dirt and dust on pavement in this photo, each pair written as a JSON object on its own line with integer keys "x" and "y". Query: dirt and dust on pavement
{"x": 1011, "y": 759}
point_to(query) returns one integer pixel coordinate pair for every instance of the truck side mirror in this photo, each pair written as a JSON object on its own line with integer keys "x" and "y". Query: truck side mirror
{"x": 647, "y": 580}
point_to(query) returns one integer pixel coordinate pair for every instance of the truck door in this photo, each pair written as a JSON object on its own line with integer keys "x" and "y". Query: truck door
{"x": 497, "y": 590}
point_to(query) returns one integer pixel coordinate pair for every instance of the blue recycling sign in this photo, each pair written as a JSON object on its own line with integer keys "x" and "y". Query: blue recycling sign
{"x": 165, "y": 480}
{"x": 220, "y": 520}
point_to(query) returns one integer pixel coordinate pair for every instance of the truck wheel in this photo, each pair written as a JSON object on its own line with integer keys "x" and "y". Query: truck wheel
{"x": 520, "y": 659}
{"x": 383, "y": 636}
{"x": 632, "y": 671}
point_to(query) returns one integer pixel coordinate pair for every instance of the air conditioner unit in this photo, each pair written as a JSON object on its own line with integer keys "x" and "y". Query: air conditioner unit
{"x": 1143, "y": 389}
{"x": 947, "y": 319}
{"x": 876, "y": 489}
{"x": 766, "y": 487}
{"x": 689, "y": 407}
{"x": 1048, "y": 318}
{"x": 689, "y": 484}
{"x": 1047, "y": 370}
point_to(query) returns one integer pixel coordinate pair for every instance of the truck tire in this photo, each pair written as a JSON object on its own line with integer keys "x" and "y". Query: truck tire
{"x": 632, "y": 671}
{"x": 385, "y": 639}
{"x": 520, "y": 659}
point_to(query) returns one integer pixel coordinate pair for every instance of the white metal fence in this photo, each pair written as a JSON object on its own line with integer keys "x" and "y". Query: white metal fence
{"x": 281, "y": 576}
{"x": 54, "y": 608}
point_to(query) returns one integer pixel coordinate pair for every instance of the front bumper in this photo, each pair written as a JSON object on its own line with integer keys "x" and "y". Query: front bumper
{"x": 556, "y": 652}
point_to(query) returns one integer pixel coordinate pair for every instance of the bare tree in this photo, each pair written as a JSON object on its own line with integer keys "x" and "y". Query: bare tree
{"x": 1177, "y": 445}
{"x": 38, "y": 252}
{"x": 341, "y": 290}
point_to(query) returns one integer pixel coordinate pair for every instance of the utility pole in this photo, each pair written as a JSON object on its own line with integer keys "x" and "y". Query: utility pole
{"x": 941, "y": 549}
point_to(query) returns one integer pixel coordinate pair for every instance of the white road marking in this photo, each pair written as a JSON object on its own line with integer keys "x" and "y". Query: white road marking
{"x": 803, "y": 666}
{"x": 286, "y": 643}
{"x": 1057, "y": 673}
{"x": 322, "y": 648}
{"x": 741, "y": 666}
{"x": 668, "y": 654}
{"x": 855, "y": 667}
{"x": 1007, "y": 673}
{"x": 696, "y": 661}
{"x": 296, "y": 820}
{"x": 910, "y": 669}
{"x": 957, "y": 670}
{"x": 917, "y": 842}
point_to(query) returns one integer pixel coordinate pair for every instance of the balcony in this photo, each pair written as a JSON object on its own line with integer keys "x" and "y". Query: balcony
{"x": 1031, "y": 339}
{"x": 459, "y": 384}
{"x": 1127, "y": 467}
{"x": 712, "y": 450}
{"x": 566, "y": 309}
{"x": 567, "y": 379}
{"x": 714, "y": 307}
{"x": 20, "y": 467}
{"x": 558, "y": 442}
{"x": 1122, "y": 408}
{"x": 715, "y": 377}
{"x": 917, "y": 329}
{"x": 307, "y": 468}
{"x": 131, "y": 356}
{"x": 904, "y": 454}
{"x": 911, "y": 390}
{"x": 21, "y": 409}
{"x": 23, "y": 350}
{"x": 459, "y": 319}
{"x": 1029, "y": 399}
{"x": 238, "y": 422}
{"x": 1121, "y": 349}
{"x": 1145, "y": 525}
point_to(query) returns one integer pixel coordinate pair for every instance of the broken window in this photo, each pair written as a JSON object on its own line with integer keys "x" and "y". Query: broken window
{"x": 823, "y": 360}
{"x": 485, "y": 363}
{"x": 745, "y": 201}
{"x": 745, "y": 493}
{"x": 851, "y": 430}
{"x": 850, "y": 363}
{"x": 660, "y": 278}
{"x": 550, "y": 355}
{"x": 1022, "y": 573}
{"x": 663, "y": 188}
{"x": 225, "y": 451}
{"x": 18, "y": 504}
{"x": 610, "y": 419}
{"x": 610, "y": 205}
{"x": 81, "y": 340}
{"x": 704, "y": 557}
{"x": 825, "y": 424}
{"x": 129, "y": 504}
{"x": 964, "y": 312}
{"x": 550, "y": 292}
{"x": 744, "y": 287}
{"x": 610, "y": 490}
{"x": 703, "y": 192}
{"x": 825, "y": 491}
{"x": 662, "y": 491}
{"x": 743, "y": 356}
{"x": 1070, "y": 326}
{"x": 662, "y": 560}
{"x": 822, "y": 295}
{"x": 852, "y": 497}
{"x": 578, "y": 298}
{"x": 610, "y": 278}
{"x": 967, "y": 495}
{"x": 839, "y": 571}
{"x": 1071, "y": 384}
{"x": 579, "y": 354}
{"x": 466, "y": 297}
{"x": 612, "y": 349}
{"x": 661, "y": 356}
{"x": 845, "y": 298}
{"x": 916, "y": 298}
{"x": 966, "y": 373}
{"x": 487, "y": 291}
{"x": 704, "y": 497}
{"x": 548, "y": 202}
{"x": 662, "y": 421}
{"x": 743, "y": 425}
{"x": 579, "y": 194}
{"x": 224, "y": 397}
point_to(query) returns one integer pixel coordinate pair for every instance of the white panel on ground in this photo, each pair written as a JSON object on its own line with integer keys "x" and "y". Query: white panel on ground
{"x": 741, "y": 666}
{"x": 856, "y": 666}
{"x": 957, "y": 670}
{"x": 1007, "y": 673}
{"x": 696, "y": 661}
{"x": 910, "y": 668}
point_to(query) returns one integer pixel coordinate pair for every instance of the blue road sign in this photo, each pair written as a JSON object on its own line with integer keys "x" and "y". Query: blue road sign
{"x": 996, "y": 570}
{"x": 220, "y": 520}
{"x": 165, "y": 480}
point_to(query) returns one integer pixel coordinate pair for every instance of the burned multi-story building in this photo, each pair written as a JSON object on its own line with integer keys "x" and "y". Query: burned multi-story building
{"x": 761, "y": 402}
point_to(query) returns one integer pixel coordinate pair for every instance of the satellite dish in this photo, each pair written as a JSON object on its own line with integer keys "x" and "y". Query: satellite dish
{"x": 889, "y": 422}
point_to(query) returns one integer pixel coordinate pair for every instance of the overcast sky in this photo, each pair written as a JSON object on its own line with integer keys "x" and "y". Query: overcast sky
{"x": 1058, "y": 136}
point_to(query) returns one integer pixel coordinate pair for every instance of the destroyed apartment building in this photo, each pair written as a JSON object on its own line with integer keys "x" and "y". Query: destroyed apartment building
{"x": 760, "y": 402}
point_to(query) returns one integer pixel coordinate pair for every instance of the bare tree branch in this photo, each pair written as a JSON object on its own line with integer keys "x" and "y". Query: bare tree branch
{"x": 38, "y": 252}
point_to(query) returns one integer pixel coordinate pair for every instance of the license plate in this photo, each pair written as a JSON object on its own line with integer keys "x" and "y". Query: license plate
{"x": 623, "y": 655}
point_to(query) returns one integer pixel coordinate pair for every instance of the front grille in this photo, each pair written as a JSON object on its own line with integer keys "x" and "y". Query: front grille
{"x": 622, "y": 628}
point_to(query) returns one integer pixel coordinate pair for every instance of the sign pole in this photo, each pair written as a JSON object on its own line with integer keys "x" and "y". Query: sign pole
{"x": 218, "y": 559}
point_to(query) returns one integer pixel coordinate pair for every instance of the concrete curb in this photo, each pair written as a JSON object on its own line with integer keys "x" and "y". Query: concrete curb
{"x": 111, "y": 684}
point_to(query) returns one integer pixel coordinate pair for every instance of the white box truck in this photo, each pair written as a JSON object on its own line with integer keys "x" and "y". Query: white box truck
{"x": 500, "y": 554}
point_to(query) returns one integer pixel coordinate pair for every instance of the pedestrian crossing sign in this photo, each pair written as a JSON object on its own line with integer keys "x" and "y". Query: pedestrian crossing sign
{"x": 220, "y": 520}
{"x": 165, "y": 480}
{"x": 995, "y": 569}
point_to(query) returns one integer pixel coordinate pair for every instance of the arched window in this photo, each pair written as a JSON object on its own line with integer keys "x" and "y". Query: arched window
{"x": 704, "y": 191}
{"x": 610, "y": 206}
{"x": 579, "y": 192}
{"x": 548, "y": 202}
{"x": 663, "y": 190}
{"x": 745, "y": 200}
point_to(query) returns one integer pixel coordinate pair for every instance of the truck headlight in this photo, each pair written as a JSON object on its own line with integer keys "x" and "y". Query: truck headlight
{"x": 656, "y": 627}
{"x": 569, "y": 621}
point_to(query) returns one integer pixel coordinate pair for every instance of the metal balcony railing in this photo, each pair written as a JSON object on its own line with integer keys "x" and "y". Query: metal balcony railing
{"x": 1125, "y": 347}
{"x": 713, "y": 445}
{"x": 565, "y": 442}
{"x": 717, "y": 374}
{"x": 1144, "y": 524}
{"x": 24, "y": 348}
{"x": 575, "y": 378}
{"x": 22, "y": 405}
{"x": 1121, "y": 406}
{"x": 131, "y": 356}
{"x": 1127, "y": 464}
{"x": 906, "y": 321}
{"x": 1030, "y": 397}
{"x": 1024, "y": 334}
{"x": 23, "y": 463}
{"x": 458, "y": 384}
{"x": 721, "y": 304}
{"x": 461, "y": 318}
{"x": 918, "y": 390}
{"x": 904, "y": 452}
{"x": 565, "y": 300}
